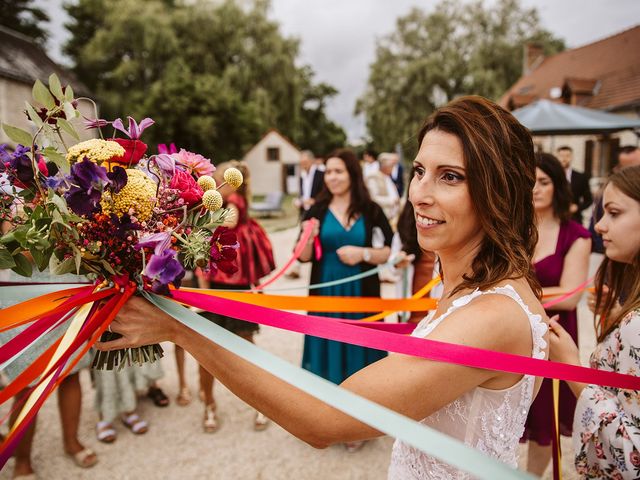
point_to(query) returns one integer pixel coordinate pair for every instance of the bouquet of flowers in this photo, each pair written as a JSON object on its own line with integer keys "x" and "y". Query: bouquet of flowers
{"x": 104, "y": 209}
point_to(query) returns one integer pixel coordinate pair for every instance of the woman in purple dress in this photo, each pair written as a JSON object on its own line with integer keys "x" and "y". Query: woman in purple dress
{"x": 561, "y": 262}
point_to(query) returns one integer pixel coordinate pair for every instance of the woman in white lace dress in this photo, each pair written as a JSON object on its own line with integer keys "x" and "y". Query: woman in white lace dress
{"x": 606, "y": 426}
{"x": 472, "y": 195}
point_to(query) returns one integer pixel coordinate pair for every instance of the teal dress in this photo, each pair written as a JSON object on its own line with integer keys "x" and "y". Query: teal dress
{"x": 335, "y": 361}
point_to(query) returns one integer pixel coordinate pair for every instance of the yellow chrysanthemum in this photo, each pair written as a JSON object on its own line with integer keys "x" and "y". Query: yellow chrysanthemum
{"x": 206, "y": 182}
{"x": 138, "y": 194}
{"x": 96, "y": 150}
{"x": 233, "y": 177}
{"x": 212, "y": 200}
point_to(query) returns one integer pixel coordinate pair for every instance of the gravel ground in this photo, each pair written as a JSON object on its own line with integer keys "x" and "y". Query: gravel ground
{"x": 176, "y": 447}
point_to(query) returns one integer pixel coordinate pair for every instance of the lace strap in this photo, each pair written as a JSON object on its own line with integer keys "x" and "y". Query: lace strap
{"x": 538, "y": 327}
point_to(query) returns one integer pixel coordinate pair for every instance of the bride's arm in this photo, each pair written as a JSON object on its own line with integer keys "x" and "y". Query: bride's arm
{"x": 412, "y": 386}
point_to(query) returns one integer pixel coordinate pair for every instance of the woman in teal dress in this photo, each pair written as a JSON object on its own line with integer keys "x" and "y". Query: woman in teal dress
{"x": 348, "y": 221}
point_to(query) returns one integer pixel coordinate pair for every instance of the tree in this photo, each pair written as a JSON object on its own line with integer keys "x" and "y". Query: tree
{"x": 431, "y": 58}
{"x": 23, "y": 17}
{"x": 215, "y": 77}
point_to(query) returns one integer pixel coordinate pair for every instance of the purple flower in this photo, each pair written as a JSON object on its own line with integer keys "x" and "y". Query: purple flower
{"x": 122, "y": 226}
{"x": 159, "y": 241}
{"x": 83, "y": 202}
{"x": 162, "y": 148}
{"x": 166, "y": 163}
{"x": 87, "y": 183}
{"x": 163, "y": 269}
{"x": 134, "y": 132}
{"x": 91, "y": 123}
{"x": 118, "y": 178}
{"x": 88, "y": 175}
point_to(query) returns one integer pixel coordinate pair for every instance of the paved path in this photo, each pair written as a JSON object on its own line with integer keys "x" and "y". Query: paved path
{"x": 176, "y": 448}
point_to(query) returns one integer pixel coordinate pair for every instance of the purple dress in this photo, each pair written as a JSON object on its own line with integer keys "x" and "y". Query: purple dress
{"x": 539, "y": 425}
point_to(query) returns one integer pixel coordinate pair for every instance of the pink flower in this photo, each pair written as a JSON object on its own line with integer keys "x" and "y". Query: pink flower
{"x": 190, "y": 191}
{"x": 194, "y": 163}
{"x": 635, "y": 458}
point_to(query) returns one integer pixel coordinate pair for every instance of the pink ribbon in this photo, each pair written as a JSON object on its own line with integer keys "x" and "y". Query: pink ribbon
{"x": 419, "y": 347}
{"x": 297, "y": 251}
{"x": 555, "y": 301}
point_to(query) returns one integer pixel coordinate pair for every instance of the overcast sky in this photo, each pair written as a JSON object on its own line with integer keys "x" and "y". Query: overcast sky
{"x": 338, "y": 36}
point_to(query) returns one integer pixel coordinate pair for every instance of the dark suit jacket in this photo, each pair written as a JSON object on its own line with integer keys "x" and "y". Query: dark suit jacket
{"x": 581, "y": 193}
{"x": 316, "y": 185}
{"x": 398, "y": 180}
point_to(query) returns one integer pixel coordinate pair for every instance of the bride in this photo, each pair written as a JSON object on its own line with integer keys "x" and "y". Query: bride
{"x": 472, "y": 195}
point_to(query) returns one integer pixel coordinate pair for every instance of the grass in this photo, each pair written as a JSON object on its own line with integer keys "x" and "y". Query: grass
{"x": 289, "y": 217}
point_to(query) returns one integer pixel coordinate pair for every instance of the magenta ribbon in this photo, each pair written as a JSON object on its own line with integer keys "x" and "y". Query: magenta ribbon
{"x": 419, "y": 347}
{"x": 555, "y": 301}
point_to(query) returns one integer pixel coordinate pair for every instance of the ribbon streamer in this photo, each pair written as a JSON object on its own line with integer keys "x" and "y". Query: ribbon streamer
{"x": 419, "y": 347}
{"x": 434, "y": 443}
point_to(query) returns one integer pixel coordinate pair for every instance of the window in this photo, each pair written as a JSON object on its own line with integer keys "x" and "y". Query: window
{"x": 273, "y": 154}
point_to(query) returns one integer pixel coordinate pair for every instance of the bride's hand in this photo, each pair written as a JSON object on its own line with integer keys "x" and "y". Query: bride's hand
{"x": 140, "y": 323}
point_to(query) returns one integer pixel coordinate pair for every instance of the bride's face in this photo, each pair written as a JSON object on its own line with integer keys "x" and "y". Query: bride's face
{"x": 439, "y": 193}
{"x": 620, "y": 225}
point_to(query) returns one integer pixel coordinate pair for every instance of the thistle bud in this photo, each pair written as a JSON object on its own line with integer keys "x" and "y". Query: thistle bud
{"x": 212, "y": 200}
{"x": 233, "y": 177}
{"x": 207, "y": 182}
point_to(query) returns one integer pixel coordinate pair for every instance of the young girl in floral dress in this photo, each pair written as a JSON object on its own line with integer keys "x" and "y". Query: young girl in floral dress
{"x": 606, "y": 426}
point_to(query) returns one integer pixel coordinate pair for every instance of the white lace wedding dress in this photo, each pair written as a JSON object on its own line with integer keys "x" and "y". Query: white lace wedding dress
{"x": 491, "y": 421}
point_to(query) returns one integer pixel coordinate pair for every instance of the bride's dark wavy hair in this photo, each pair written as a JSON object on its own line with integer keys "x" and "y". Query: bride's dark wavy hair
{"x": 501, "y": 172}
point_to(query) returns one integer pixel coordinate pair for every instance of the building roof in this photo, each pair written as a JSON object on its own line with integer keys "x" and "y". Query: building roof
{"x": 272, "y": 130}
{"x": 22, "y": 60}
{"x": 604, "y": 75}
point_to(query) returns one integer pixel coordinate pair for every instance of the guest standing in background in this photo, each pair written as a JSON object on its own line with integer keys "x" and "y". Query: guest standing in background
{"x": 561, "y": 262}
{"x": 347, "y": 218}
{"x": 579, "y": 182}
{"x": 254, "y": 261}
{"x": 606, "y": 427}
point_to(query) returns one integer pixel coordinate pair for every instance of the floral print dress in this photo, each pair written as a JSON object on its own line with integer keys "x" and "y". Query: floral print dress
{"x": 606, "y": 426}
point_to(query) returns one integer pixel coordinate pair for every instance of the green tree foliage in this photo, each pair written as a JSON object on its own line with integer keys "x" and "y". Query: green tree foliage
{"x": 23, "y": 17}
{"x": 214, "y": 76}
{"x": 458, "y": 49}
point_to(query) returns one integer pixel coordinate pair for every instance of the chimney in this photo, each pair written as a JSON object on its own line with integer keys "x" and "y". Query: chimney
{"x": 533, "y": 56}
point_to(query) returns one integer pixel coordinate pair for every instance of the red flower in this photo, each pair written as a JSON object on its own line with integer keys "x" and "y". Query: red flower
{"x": 224, "y": 246}
{"x": 190, "y": 191}
{"x": 134, "y": 150}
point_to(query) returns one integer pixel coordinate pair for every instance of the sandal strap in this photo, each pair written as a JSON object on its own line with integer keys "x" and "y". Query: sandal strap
{"x": 134, "y": 422}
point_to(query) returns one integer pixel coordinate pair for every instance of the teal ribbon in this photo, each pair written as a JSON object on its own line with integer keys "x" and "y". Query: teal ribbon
{"x": 21, "y": 293}
{"x": 430, "y": 441}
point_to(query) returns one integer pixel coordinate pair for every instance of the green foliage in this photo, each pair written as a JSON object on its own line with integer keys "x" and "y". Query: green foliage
{"x": 23, "y": 17}
{"x": 431, "y": 58}
{"x": 214, "y": 76}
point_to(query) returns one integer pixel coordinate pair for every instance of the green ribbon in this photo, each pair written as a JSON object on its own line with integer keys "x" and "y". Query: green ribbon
{"x": 430, "y": 441}
{"x": 21, "y": 293}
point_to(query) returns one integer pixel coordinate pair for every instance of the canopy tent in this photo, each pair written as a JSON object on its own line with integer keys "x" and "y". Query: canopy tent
{"x": 545, "y": 117}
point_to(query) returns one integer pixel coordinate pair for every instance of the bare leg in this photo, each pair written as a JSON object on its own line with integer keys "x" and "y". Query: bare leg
{"x": 22, "y": 454}
{"x": 538, "y": 458}
{"x": 179, "y": 353}
{"x": 260, "y": 422}
{"x": 69, "y": 405}
{"x": 206, "y": 387}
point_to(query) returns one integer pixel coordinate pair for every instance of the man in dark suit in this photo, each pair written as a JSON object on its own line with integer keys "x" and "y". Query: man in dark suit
{"x": 580, "y": 191}
{"x": 311, "y": 182}
{"x": 397, "y": 174}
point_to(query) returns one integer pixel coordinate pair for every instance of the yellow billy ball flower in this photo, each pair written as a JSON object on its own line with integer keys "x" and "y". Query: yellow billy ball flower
{"x": 233, "y": 177}
{"x": 138, "y": 194}
{"x": 212, "y": 200}
{"x": 96, "y": 150}
{"x": 207, "y": 182}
